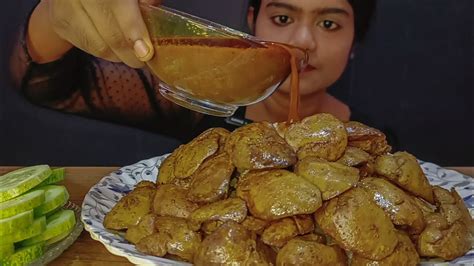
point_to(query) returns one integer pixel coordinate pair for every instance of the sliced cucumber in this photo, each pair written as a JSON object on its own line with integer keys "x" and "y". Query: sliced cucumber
{"x": 17, "y": 222}
{"x": 24, "y": 256}
{"x": 6, "y": 250}
{"x": 36, "y": 228}
{"x": 58, "y": 237}
{"x": 57, "y": 175}
{"x": 19, "y": 181}
{"x": 21, "y": 204}
{"x": 57, "y": 224}
{"x": 55, "y": 197}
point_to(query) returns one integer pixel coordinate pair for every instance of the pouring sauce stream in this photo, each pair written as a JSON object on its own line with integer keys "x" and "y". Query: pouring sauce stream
{"x": 293, "y": 114}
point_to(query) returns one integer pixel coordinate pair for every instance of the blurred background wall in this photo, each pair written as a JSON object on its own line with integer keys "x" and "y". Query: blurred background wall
{"x": 412, "y": 78}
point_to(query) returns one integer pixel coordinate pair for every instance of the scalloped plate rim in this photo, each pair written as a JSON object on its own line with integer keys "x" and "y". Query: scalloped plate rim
{"x": 138, "y": 258}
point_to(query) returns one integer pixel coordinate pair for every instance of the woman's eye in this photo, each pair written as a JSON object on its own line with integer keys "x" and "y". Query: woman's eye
{"x": 329, "y": 25}
{"x": 282, "y": 20}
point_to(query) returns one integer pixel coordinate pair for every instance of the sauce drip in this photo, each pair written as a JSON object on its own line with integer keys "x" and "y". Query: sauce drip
{"x": 294, "y": 114}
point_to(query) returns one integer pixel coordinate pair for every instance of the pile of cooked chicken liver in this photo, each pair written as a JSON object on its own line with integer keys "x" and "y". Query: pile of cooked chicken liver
{"x": 314, "y": 192}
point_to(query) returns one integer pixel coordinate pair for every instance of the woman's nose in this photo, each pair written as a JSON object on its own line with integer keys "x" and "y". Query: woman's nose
{"x": 304, "y": 37}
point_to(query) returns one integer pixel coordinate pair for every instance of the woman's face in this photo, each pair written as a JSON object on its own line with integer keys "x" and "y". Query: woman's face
{"x": 324, "y": 27}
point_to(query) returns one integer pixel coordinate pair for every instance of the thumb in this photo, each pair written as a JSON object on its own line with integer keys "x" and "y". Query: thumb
{"x": 133, "y": 27}
{"x": 151, "y": 2}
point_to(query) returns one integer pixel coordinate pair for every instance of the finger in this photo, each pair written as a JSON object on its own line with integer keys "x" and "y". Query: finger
{"x": 151, "y": 2}
{"x": 133, "y": 28}
{"x": 73, "y": 25}
{"x": 100, "y": 12}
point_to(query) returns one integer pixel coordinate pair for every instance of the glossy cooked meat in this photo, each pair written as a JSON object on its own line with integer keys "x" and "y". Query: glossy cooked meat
{"x": 354, "y": 157}
{"x": 208, "y": 227}
{"x": 230, "y": 244}
{"x": 331, "y": 178}
{"x": 275, "y": 194}
{"x": 304, "y": 252}
{"x": 130, "y": 208}
{"x": 442, "y": 240}
{"x": 171, "y": 200}
{"x": 248, "y": 197}
{"x": 404, "y": 254}
{"x": 367, "y": 169}
{"x": 400, "y": 207}
{"x": 265, "y": 253}
{"x": 281, "y": 128}
{"x": 449, "y": 233}
{"x": 443, "y": 196}
{"x": 211, "y": 180}
{"x": 403, "y": 169}
{"x": 192, "y": 155}
{"x": 178, "y": 167}
{"x": 279, "y": 232}
{"x": 254, "y": 224}
{"x": 466, "y": 217}
{"x": 154, "y": 244}
{"x": 232, "y": 209}
{"x": 173, "y": 236}
{"x": 366, "y": 138}
{"x": 258, "y": 146}
{"x": 146, "y": 183}
{"x": 182, "y": 162}
{"x": 326, "y": 151}
{"x": 360, "y": 159}
{"x": 321, "y": 239}
{"x": 357, "y": 224}
{"x": 144, "y": 228}
{"x": 452, "y": 207}
{"x": 183, "y": 242}
{"x": 222, "y": 134}
{"x": 320, "y": 135}
{"x": 425, "y": 207}
{"x": 304, "y": 223}
{"x": 166, "y": 171}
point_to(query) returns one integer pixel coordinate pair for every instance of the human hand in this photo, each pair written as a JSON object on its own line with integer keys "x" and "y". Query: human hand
{"x": 110, "y": 29}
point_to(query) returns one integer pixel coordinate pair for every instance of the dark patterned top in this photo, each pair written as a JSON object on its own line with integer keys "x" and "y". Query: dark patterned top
{"x": 82, "y": 84}
{"x": 85, "y": 85}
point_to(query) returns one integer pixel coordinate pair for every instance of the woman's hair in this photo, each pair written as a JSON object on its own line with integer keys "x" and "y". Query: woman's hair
{"x": 363, "y": 12}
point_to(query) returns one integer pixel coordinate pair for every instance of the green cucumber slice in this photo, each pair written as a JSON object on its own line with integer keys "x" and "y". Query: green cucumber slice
{"x": 57, "y": 175}
{"x": 24, "y": 256}
{"x": 19, "y": 181}
{"x": 57, "y": 224}
{"x": 59, "y": 237}
{"x": 55, "y": 197}
{"x": 17, "y": 222}
{"x": 6, "y": 250}
{"x": 36, "y": 228}
{"x": 21, "y": 204}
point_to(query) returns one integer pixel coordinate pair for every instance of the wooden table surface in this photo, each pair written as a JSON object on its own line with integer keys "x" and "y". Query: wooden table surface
{"x": 86, "y": 251}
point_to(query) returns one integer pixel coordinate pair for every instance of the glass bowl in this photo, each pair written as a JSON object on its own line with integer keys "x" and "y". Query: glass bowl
{"x": 210, "y": 68}
{"x": 55, "y": 250}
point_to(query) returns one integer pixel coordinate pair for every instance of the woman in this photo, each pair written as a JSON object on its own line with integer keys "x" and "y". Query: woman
{"x": 102, "y": 79}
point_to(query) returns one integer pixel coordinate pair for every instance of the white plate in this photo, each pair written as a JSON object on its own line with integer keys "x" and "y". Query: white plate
{"x": 105, "y": 194}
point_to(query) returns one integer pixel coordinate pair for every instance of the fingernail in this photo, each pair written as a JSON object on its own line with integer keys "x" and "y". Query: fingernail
{"x": 141, "y": 49}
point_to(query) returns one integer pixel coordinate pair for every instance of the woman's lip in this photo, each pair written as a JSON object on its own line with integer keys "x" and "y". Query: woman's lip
{"x": 308, "y": 68}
